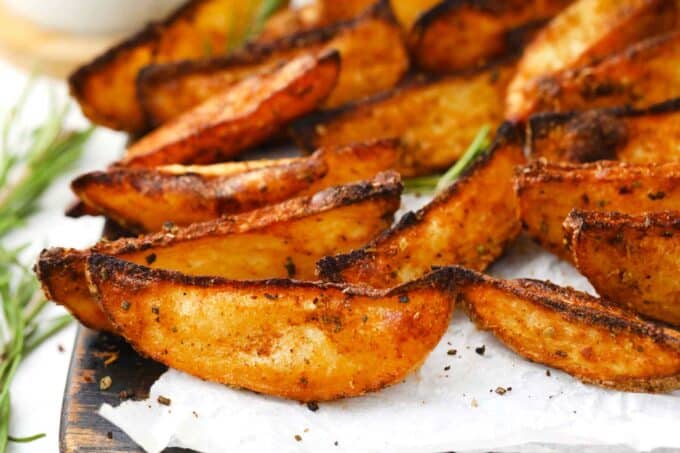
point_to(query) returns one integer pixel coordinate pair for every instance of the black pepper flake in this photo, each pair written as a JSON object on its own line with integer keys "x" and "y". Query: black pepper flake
{"x": 313, "y": 406}
{"x": 155, "y": 310}
{"x": 125, "y": 305}
{"x": 270, "y": 296}
{"x": 656, "y": 195}
{"x": 298, "y": 437}
{"x": 547, "y": 373}
{"x": 481, "y": 350}
{"x": 151, "y": 258}
{"x": 403, "y": 299}
{"x": 290, "y": 267}
{"x": 447, "y": 367}
{"x": 336, "y": 443}
{"x": 452, "y": 352}
{"x": 109, "y": 435}
{"x": 164, "y": 401}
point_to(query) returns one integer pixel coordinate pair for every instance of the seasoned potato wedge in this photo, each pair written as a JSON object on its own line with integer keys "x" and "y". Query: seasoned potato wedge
{"x": 241, "y": 116}
{"x": 283, "y": 240}
{"x": 105, "y": 87}
{"x": 589, "y": 338}
{"x": 434, "y": 120}
{"x": 292, "y": 20}
{"x": 299, "y": 340}
{"x": 584, "y": 32}
{"x": 469, "y": 223}
{"x": 373, "y": 59}
{"x": 455, "y": 35}
{"x": 145, "y": 199}
{"x": 650, "y": 135}
{"x": 631, "y": 260}
{"x": 643, "y": 74}
{"x": 548, "y": 192}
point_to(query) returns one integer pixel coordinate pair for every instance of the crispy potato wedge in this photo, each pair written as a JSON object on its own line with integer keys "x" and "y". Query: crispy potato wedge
{"x": 631, "y": 260}
{"x": 145, "y": 199}
{"x": 650, "y": 135}
{"x": 105, "y": 87}
{"x": 292, "y": 20}
{"x": 584, "y": 32}
{"x": 284, "y": 240}
{"x": 374, "y": 58}
{"x": 589, "y": 338}
{"x": 240, "y": 117}
{"x": 455, "y": 35}
{"x": 469, "y": 223}
{"x": 434, "y": 120}
{"x": 548, "y": 192}
{"x": 298, "y": 340}
{"x": 643, "y": 74}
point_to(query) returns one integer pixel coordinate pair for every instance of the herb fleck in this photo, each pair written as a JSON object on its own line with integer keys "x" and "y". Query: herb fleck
{"x": 151, "y": 258}
{"x": 403, "y": 299}
{"x": 125, "y": 305}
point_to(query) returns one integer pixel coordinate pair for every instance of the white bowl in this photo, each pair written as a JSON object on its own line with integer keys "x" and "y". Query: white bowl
{"x": 93, "y": 16}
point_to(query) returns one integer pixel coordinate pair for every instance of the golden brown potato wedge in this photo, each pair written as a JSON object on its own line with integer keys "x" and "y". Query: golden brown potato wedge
{"x": 299, "y": 340}
{"x": 292, "y": 20}
{"x": 145, "y": 199}
{"x": 284, "y": 240}
{"x": 455, "y": 35}
{"x": 650, "y": 135}
{"x": 645, "y": 73}
{"x": 584, "y": 32}
{"x": 374, "y": 58}
{"x": 589, "y": 338}
{"x": 434, "y": 120}
{"x": 469, "y": 223}
{"x": 241, "y": 116}
{"x": 548, "y": 192}
{"x": 105, "y": 87}
{"x": 631, "y": 260}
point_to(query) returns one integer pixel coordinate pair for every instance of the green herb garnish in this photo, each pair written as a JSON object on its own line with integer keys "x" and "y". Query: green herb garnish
{"x": 437, "y": 183}
{"x": 27, "y": 168}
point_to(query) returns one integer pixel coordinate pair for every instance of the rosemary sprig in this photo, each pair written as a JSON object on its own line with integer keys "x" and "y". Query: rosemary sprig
{"x": 26, "y": 172}
{"x": 437, "y": 183}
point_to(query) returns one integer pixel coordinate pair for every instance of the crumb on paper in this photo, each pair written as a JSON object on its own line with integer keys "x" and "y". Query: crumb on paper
{"x": 481, "y": 350}
{"x": 451, "y": 352}
{"x": 164, "y": 400}
{"x": 298, "y": 437}
{"x": 474, "y": 403}
{"x": 501, "y": 390}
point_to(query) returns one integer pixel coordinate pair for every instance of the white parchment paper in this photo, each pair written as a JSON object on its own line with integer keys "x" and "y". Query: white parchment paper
{"x": 451, "y": 403}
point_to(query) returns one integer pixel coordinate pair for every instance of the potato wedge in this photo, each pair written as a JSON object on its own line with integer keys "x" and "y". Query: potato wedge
{"x": 435, "y": 120}
{"x": 589, "y": 338}
{"x": 373, "y": 59}
{"x": 455, "y": 35}
{"x": 650, "y": 135}
{"x": 469, "y": 223}
{"x": 298, "y": 340}
{"x": 143, "y": 200}
{"x": 548, "y": 192}
{"x": 284, "y": 240}
{"x": 631, "y": 260}
{"x": 584, "y": 32}
{"x": 641, "y": 75}
{"x": 240, "y": 117}
{"x": 105, "y": 88}
{"x": 406, "y": 11}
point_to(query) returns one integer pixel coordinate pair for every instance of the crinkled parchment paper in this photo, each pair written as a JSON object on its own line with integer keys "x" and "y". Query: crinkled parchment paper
{"x": 436, "y": 409}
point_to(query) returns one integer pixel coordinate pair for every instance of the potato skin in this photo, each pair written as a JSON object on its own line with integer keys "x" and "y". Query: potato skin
{"x": 240, "y": 117}
{"x": 648, "y": 135}
{"x": 455, "y": 35}
{"x": 632, "y": 260}
{"x": 434, "y": 119}
{"x": 639, "y": 76}
{"x": 143, "y": 199}
{"x": 105, "y": 88}
{"x": 548, "y": 192}
{"x": 284, "y": 240}
{"x": 298, "y": 340}
{"x": 373, "y": 56}
{"x": 589, "y": 338}
{"x": 584, "y": 32}
{"x": 470, "y": 223}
